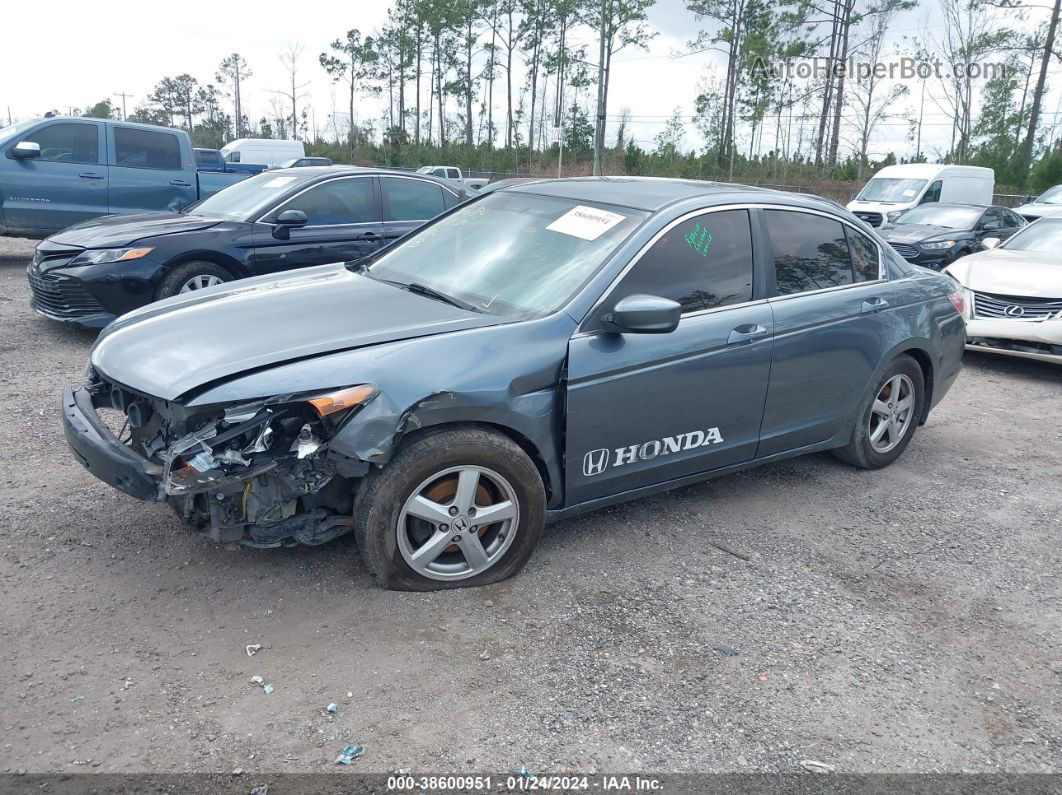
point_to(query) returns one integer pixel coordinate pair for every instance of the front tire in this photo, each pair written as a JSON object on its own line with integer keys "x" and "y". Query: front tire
{"x": 888, "y": 417}
{"x": 453, "y": 509}
{"x": 191, "y": 276}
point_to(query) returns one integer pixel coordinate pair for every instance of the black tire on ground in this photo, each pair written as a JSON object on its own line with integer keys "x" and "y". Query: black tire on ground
{"x": 859, "y": 452}
{"x": 173, "y": 281}
{"x": 383, "y": 492}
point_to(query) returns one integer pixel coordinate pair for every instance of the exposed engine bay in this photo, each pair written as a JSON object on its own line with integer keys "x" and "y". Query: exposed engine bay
{"x": 259, "y": 473}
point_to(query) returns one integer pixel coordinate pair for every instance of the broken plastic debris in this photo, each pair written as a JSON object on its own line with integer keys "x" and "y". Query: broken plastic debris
{"x": 76, "y": 699}
{"x": 252, "y": 648}
{"x": 349, "y": 754}
{"x": 267, "y": 689}
{"x": 257, "y": 680}
{"x": 333, "y": 708}
{"x": 350, "y": 694}
{"x": 814, "y": 766}
{"x": 523, "y": 771}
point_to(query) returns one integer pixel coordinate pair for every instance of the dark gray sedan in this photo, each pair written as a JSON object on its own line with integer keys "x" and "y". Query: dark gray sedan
{"x": 541, "y": 351}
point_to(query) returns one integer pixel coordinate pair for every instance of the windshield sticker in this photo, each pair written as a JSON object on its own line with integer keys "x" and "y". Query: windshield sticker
{"x": 700, "y": 240}
{"x": 588, "y": 223}
{"x": 278, "y": 182}
{"x": 908, "y": 193}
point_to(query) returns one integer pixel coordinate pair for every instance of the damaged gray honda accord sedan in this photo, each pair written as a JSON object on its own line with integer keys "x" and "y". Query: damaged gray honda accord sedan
{"x": 543, "y": 350}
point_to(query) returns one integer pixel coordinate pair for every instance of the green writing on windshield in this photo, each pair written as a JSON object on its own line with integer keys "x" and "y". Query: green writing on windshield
{"x": 700, "y": 240}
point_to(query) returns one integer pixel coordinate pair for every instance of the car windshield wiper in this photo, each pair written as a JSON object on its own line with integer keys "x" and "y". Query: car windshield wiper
{"x": 431, "y": 292}
{"x": 423, "y": 289}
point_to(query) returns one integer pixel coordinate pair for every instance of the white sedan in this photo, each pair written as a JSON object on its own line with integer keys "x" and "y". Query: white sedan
{"x": 1013, "y": 293}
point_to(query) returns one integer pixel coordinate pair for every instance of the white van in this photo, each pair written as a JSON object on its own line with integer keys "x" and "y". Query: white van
{"x": 897, "y": 188}
{"x": 261, "y": 151}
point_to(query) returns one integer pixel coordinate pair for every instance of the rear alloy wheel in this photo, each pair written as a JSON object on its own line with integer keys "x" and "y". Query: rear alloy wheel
{"x": 191, "y": 276}
{"x": 888, "y": 417}
{"x": 452, "y": 509}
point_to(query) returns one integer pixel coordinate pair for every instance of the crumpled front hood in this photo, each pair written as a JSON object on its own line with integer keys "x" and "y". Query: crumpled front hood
{"x": 915, "y": 233}
{"x": 1011, "y": 272}
{"x": 115, "y": 231}
{"x": 170, "y": 347}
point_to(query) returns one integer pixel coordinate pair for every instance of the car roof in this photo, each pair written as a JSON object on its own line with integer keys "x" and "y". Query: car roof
{"x": 307, "y": 173}
{"x": 656, "y": 193}
{"x": 963, "y": 205}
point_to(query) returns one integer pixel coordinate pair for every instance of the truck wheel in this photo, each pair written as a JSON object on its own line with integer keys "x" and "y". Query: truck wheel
{"x": 190, "y": 276}
{"x": 888, "y": 417}
{"x": 453, "y": 509}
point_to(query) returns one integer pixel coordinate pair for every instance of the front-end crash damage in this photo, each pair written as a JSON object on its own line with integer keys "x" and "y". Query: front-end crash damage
{"x": 259, "y": 472}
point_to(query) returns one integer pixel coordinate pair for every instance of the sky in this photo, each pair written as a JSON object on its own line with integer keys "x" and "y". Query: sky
{"x": 86, "y": 54}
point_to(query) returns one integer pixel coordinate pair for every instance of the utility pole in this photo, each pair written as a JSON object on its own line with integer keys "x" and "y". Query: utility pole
{"x": 599, "y": 132}
{"x": 124, "y": 96}
{"x": 558, "y": 123}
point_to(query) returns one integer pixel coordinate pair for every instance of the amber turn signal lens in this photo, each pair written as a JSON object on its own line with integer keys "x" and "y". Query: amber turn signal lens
{"x": 134, "y": 253}
{"x": 341, "y": 400}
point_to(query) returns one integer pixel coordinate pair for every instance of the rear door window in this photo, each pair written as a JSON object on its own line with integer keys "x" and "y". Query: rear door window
{"x": 146, "y": 149}
{"x": 702, "y": 263}
{"x": 69, "y": 142}
{"x": 407, "y": 199}
{"x": 810, "y": 252}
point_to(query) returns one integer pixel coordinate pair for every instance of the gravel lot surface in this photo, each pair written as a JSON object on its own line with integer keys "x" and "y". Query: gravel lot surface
{"x": 902, "y": 620}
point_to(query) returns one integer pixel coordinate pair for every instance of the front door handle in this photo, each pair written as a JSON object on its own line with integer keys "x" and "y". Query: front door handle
{"x": 180, "y": 183}
{"x": 90, "y": 175}
{"x": 746, "y": 333}
{"x": 872, "y": 305}
{"x": 369, "y": 236}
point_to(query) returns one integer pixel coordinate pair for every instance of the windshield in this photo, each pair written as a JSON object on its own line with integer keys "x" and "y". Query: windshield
{"x": 1050, "y": 196}
{"x": 13, "y": 131}
{"x": 937, "y": 215}
{"x": 891, "y": 191}
{"x": 1043, "y": 237}
{"x": 510, "y": 253}
{"x": 425, "y": 169}
{"x": 244, "y": 200}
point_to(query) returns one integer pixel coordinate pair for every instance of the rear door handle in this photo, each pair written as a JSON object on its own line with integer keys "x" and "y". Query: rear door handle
{"x": 90, "y": 175}
{"x": 746, "y": 333}
{"x": 180, "y": 183}
{"x": 369, "y": 236}
{"x": 873, "y": 305}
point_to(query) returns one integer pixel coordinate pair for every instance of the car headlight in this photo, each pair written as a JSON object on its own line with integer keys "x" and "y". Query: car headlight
{"x": 892, "y": 216}
{"x": 938, "y": 245}
{"x": 102, "y": 256}
{"x": 341, "y": 399}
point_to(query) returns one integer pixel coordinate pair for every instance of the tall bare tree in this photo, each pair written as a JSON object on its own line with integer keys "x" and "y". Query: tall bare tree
{"x": 234, "y": 71}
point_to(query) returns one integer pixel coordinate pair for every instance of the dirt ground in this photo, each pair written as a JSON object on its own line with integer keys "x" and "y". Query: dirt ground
{"x": 902, "y": 620}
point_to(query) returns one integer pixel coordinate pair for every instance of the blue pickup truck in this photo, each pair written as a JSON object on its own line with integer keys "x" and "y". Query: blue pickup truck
{"x": 213, "y": 160}
{"x": 58, "y": 171}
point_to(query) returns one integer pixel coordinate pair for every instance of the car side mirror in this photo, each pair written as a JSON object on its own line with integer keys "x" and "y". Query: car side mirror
{"x": 286, "y": 221}
{"x": 990, "y": 242}
{"x": 990, "y": 226}
{"x": 26, "y": 149}
{"x": 643, "y": 314}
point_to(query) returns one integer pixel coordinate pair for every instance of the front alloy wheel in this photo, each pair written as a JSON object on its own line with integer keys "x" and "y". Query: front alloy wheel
{"x": 453, "y": 508}
{"x": 458, "y": 523}
{"x": 199, "y": 281}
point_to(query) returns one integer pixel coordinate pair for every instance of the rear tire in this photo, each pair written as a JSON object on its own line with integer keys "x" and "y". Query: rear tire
{"x": 888, "y": 416}
{"x": 450, "y": 479}
{"x": 191, "y": 276}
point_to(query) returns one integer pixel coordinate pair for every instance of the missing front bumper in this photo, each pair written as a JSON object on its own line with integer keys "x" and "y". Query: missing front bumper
{"x": 101, "y": 452}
